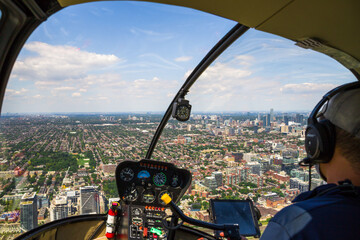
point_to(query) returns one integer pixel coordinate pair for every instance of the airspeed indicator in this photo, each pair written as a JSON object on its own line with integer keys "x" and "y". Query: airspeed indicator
{"x": 126, "y": 174}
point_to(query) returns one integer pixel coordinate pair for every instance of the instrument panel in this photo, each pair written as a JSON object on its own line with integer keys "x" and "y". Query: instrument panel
{"x": 144, "y": 182}
{"x": 141, "y": 186}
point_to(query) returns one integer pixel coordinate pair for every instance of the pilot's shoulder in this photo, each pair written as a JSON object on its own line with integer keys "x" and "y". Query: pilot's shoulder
{"x": 292, "y": 213}
{"x": 287, "y": 223}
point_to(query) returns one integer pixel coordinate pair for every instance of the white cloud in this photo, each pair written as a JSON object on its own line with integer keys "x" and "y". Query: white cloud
{"x": 76, "y": 94}
{"x": 183, "y": 59}
{"x": 221, "y": 78}
{"x": 232, "y": 85}
{"x": 54, "y": 63}
{"x": 16, "y": 92}
{"x": 46, "y": 84}
{"x": 103, "y": 98}
{"x": 64, "y": 89}
{"x": 246, "y": 60}
{"x": 82, "y": 90}
{"x": 11, "y": 93}
{"x": 306, "y": 88}
{"x": 38, "y": 96}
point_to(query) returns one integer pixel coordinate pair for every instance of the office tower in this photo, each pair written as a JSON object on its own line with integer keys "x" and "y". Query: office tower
{"x": 210, "y": 182}
{"x": 89, "y": 200}
{"x": 59, "y": 208}
{"x": 43, "y": 201}
{"x": 28, "y": 211}
{"x": 255, "y": 167}
{"x": 218, "y": 177}
{"x": 299, "y": 118}
{"x": 286, "y": 120}
{"x": 268, "y": 120}
{"x": 271, "y": 114}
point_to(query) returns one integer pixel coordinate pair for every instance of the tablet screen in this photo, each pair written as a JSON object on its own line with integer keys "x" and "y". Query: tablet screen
{"x": 236, "y": 211}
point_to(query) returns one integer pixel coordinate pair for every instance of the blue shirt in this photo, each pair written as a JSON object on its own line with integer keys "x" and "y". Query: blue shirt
{"x": 327, "y": 212}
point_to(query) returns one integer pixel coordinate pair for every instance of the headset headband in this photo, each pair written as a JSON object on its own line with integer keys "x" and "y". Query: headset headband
{"x": 313, "y": 116}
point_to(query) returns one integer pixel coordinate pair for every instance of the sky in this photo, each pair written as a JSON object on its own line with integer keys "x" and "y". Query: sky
{"x": 134, "y": 57}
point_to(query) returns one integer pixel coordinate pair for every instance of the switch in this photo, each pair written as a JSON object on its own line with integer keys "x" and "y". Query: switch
{"x": 145, "y": 232}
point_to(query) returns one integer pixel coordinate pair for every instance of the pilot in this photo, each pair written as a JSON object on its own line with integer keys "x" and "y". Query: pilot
{"x": 332, "y": 142}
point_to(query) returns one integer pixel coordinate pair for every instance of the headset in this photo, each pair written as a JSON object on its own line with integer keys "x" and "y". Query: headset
{"x": 320, "y": 136}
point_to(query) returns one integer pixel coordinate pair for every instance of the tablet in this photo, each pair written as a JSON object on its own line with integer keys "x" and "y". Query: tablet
{"x": 235, "y": 211}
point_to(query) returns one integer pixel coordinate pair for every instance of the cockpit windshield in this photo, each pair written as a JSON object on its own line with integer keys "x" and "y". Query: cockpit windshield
{"x": 92, "y": 83}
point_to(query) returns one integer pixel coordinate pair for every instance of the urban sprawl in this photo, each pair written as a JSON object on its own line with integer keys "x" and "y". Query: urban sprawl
{"x": 53, "y": 166}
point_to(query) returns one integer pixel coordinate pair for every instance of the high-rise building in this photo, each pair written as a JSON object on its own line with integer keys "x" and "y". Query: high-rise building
{"x": 210, "y": 182}
{"x": 286, "y": 120}
{"x": 232, "y": 179}
{"x": 299, "y": 118}
{"x": 89, "y": 200}
{"x": 28, "y": 211}
{"x": 219, "y": 178}
{"x": 43, "y": 201}
{"x": 267, "y": 120}
{"x": 59, "y": 208}
{"x": 271, "y": 114}
{"x": 255, "y": 167}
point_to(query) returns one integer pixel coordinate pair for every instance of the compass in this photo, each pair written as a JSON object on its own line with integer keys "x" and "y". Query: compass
{"x": 181, "y": 110}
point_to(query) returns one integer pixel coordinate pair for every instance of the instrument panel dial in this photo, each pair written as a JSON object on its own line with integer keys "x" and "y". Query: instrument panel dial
{"x": 136, "y": 211}
{"x": 148, "y": 197}
{"x": 175, "y": 181}
{"x": 127, "y": 174}
{"x": 131, "y": 194}
{"x": 143, "y": 174}
{"x": 159, "y": 179}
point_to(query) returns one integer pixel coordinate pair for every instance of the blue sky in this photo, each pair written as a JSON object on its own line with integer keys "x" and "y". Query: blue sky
{"x": 128, "y": 56}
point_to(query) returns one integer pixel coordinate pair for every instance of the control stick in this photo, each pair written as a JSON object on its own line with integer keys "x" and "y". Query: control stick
{"x": 230, "y": 231}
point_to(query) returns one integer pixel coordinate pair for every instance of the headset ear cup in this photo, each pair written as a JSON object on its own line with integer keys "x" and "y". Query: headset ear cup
{"x": 312, "y": 143}
{"x": 320, "y": 141}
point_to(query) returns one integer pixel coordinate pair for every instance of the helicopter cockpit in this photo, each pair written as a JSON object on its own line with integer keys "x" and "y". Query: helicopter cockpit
{"x": 149, "y": 190}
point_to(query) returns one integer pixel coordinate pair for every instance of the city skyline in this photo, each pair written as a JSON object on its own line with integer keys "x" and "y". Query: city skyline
{"x": 152, "y": 113}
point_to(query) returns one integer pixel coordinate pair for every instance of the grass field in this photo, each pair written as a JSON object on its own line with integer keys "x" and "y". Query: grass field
{"x": 82, "y": 161}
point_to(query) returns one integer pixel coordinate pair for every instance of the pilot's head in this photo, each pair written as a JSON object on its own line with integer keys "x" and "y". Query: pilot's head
{"x": 333, "y": 140}
{"x": 343, "y": 111}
